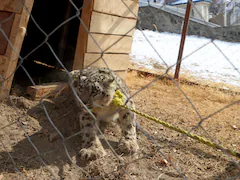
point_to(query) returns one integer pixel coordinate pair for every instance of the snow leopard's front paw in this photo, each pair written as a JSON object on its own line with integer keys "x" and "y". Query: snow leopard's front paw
{"x": 128, "y": 146}
{"x": 91, "y": 153}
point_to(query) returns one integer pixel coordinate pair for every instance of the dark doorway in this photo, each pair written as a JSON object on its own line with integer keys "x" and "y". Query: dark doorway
{"x": 49, "y": 15}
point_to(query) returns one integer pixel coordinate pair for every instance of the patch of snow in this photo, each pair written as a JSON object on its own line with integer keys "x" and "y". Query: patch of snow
{"x": 206, "y": 63}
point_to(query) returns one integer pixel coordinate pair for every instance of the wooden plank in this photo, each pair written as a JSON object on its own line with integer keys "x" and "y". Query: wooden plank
{"x": 110, "y": 43}
{"x": 11, "y": 6}
{"x": 82, "y": 39}
{"x": 108, "y": 24}
{"x": 117, "y": 7}
{"x": 3, "y": 61}
{"x": 3, "y": 93}
{"x": 7, "y": 19}
{"x": 9, "y": 55}
{"x": 46, "y": 89}
{"x": 17, "y": 35}
{"x": 114, "y": 61}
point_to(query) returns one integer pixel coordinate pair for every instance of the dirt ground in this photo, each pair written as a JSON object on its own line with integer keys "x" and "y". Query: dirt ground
{"x": 162, "y": 99}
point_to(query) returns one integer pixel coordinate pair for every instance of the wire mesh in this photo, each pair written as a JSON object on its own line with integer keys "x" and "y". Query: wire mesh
{"x": 159, "y": 157}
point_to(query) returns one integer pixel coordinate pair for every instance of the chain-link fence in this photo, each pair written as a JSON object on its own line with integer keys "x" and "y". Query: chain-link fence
{"x": 40, "y": 138}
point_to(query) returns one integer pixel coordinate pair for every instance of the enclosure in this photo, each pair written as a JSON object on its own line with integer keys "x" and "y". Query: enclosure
{"x": 187, "y": 127}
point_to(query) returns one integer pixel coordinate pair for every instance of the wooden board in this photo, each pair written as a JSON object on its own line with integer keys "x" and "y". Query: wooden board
{"x": 3, "y": 61}
{"x": 117, "y": 7}
{"x": 82, "y": 39}
{"x": 109, "y": 21}
{"x": 6, "y": 26}
{"x": 11, "y": 6}
{"x": 110, "y": 43}
{"x": 16, "y": 38}
{"x": 46, "y": 89}
{"x": 108, "y": 24}
{"x": 114, "y": 61}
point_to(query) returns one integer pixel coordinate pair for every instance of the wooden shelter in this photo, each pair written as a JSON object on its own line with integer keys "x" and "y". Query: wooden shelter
{"x": 105, "y": 35}
{"x": 112, "y": 25}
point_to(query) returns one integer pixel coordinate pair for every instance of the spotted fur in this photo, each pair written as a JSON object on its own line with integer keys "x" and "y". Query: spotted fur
{"x": 96, "y": 88}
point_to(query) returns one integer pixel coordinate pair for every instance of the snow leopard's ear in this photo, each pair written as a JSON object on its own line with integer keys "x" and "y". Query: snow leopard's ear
{"x": 75, "y": 74}
{"x": 109, "y": 83}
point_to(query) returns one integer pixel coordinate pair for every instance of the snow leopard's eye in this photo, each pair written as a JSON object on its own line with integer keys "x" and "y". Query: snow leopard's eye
{"x": 105, "y": 94}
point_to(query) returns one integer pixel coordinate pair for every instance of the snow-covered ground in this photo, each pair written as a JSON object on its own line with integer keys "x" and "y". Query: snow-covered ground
{"x": 206, "y": 63}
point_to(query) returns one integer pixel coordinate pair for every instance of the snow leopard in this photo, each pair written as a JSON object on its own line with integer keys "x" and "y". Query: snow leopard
{"x": 96, "y": 88}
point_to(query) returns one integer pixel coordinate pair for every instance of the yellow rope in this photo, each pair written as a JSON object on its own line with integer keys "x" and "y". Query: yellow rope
{"x": 119, "y": 101}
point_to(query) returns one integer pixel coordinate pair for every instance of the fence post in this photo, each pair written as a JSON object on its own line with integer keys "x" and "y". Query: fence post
{"x": 183, "y": 37}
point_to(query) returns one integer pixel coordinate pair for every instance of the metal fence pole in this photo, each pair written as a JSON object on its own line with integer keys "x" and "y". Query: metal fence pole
{"x": 183, "y": 37}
